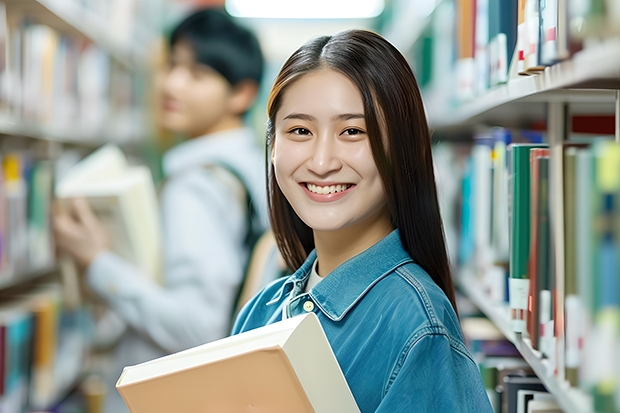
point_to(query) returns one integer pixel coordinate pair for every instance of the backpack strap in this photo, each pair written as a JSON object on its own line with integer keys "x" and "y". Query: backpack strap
{"x": 254, "y": 227}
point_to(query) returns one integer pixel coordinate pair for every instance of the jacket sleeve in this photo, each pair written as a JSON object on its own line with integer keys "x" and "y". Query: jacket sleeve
{"x": 204, "y": 227}
{"x": 435, "y": 376}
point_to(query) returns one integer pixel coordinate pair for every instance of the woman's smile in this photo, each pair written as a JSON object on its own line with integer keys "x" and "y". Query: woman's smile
{"x": 326, "y": 192}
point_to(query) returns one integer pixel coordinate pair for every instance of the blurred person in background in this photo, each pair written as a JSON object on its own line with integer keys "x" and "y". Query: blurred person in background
{"x": 211, "y": 80}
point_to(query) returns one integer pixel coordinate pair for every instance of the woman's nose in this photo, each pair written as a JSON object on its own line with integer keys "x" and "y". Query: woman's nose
{"x": 325, "y": 157}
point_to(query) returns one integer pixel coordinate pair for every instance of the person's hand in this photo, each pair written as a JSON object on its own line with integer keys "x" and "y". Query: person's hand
{"x": 78, "y": 232}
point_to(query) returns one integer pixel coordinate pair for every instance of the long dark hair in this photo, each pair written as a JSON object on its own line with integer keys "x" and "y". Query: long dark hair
{"x": 392, "y": 108}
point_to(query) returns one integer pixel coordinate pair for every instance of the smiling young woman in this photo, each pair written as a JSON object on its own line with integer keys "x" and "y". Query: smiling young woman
{"x": 353, "y": 206}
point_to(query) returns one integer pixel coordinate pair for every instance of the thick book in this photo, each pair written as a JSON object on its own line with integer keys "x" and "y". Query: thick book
{"x": 287, "y": 366}
{"x": 519, "y": 215}
{"x": 536, "y": 190}
{"x": 124, "y": 199}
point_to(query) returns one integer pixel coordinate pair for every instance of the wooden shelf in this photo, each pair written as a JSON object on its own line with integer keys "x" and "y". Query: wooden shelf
{"x": 68, "y": 17}
{"x": 570, "y": 399}
{"x": 588, "y": 78}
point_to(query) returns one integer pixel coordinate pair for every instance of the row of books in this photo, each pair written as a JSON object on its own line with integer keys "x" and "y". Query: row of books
{"x": 511, "y": 384}
{"x": 507, "y": 238}
{"x": 491, "y": 41}
{"x": 64, "y": 83}
{"x": 26, "y": 242}
{"x": 124, "y": 21}
{"x": 42, "y": 349}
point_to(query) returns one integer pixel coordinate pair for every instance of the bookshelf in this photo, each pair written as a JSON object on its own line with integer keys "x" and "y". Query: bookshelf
{"x": 73, "y": 18}
{"x": 73, "y": 76}
{"x": 456, "y": 61}
{"x": 571, "y": 400}
{"x": 11, "y": 280}
{"x": 589, "y": 78}
{"x": 14, "y": 126}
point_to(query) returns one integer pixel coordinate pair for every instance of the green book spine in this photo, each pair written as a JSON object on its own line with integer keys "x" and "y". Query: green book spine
{"x": 544, "y": 275}
{"x": 519, "y": 207}
{"x": 571, "y": 303}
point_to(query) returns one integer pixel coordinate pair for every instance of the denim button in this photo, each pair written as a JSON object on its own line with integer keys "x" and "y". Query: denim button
{"x": 308, "y": 306}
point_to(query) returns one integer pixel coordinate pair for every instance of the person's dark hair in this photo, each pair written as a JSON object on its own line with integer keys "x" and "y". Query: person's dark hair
{"x": 393, "y": 109}
{"x": 219, "y": 42}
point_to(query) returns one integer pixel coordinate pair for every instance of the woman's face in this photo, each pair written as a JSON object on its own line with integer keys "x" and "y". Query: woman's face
{"x": 322, "y": 157}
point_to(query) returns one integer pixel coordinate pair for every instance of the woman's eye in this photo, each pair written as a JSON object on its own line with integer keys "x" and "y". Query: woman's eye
{"x": 300, "y": 131}
{"x": 352, "y": 131}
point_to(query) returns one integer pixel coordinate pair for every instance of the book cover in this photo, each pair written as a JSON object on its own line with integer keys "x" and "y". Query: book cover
{"x": 519, "y": 212}
{"x": 507, "y": 37}
{"x": 481, "y": 53}
{"x": 18, "y": 336}
{"x": 524, "y": 396}
{"x": 40, "y": 237}
{"x": 466, "y": 240}
{"x": 584, "y": 194}
{"x": 544, "y": 275}
{"x": 606, "y": 304}
{"x": 515, "y": 383}
{"x": 482, "y": 185}
{"x": 283, "y": 367}
{"x": 572, "y": 302}
{"x": 522, "y": 40}
{"x": 549, "y": 13}
{"x": 466, "y": 67}
{"x": 499, "y": 232}
{"x": 532, "y": 26}
{"x": 533, "y": 298}
{"x": 124, "y": 199}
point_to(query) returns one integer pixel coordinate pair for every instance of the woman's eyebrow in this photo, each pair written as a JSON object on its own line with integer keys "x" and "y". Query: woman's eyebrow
{"x": 301, "y": 116}
{"x": 347, "y": 116}
{"x": 336, "y": 118}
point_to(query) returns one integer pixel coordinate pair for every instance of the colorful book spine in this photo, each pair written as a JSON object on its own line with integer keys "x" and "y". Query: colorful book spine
{"x": 606, "y": 305}
{"x": 519, "y": 177}
{"x": 533, "y": 311}
{"x": 549, "y": 13}
{"x": 506, "y": 38}
{"x": 544, "y": 281}
{"x": 532, "y": 25}
{"x": 572, "y": 306}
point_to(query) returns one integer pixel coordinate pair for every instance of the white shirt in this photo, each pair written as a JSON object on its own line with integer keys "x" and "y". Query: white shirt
{"x": 204, "y": 226}
{"x": 314, "y": 278}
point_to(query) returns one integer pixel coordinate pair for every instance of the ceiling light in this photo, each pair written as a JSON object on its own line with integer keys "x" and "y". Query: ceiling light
{"x": 305, "y": 9}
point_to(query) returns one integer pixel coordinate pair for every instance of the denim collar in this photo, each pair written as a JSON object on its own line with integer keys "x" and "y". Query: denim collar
{"x": 341, "y": 289}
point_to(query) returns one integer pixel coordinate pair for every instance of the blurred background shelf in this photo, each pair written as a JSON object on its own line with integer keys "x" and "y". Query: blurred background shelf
{"x": 68, "y": 16}
{"x": 571, "y": 400}
{"x": 74, "y": 136}
{"x": 8, "y": 280}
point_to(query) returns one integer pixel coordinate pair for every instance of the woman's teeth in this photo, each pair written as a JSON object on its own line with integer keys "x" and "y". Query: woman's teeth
{"x": 325, "y": 190}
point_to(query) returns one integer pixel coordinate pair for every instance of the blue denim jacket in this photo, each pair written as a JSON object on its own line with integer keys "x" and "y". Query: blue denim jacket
{"x": 392, "y": 329}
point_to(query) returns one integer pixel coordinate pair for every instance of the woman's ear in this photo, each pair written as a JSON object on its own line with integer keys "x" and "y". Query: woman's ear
{"x": 243, "y": 95}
